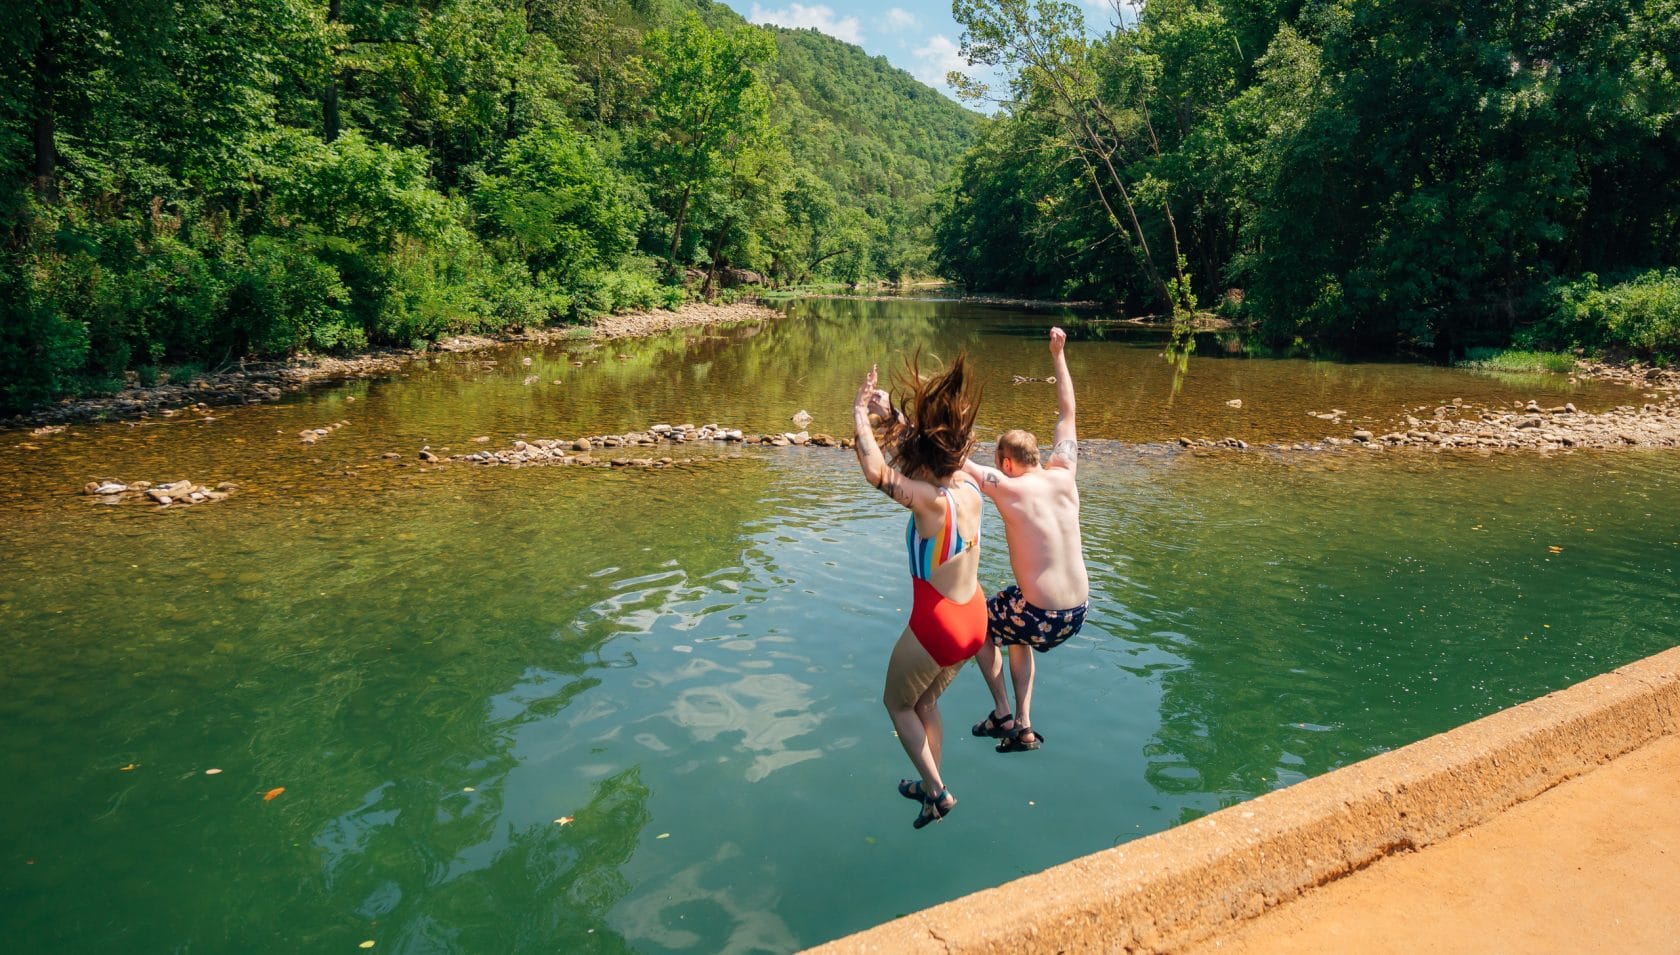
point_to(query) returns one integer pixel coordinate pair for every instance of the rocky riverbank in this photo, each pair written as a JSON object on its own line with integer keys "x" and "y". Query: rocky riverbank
{"x": 1520, "y": 426}
{"x": 628, "y": 450}
{"x": 258, "y": 382}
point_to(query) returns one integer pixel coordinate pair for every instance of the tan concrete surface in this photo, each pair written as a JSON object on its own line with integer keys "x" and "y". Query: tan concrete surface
{"x": 1174, "y": 889}
{"x": 1590, "y": 866}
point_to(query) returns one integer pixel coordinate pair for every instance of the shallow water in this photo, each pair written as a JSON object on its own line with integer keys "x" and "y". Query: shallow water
{"x": 437, "y": 665}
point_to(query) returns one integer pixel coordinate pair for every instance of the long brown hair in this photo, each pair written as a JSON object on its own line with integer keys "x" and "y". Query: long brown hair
{"x": 936, "y": 430}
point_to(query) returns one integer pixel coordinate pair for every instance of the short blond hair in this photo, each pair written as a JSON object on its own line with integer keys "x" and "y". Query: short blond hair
{"x": 1019, "y": 446}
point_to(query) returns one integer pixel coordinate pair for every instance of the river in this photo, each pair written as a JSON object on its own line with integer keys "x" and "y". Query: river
{"x": 580, "y": 710}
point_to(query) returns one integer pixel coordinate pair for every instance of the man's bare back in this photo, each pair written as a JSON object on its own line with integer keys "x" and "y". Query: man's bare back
{"x": 1046, "y": 605}
{"x": 1040, "y": 505}
{"x": 1040, "y": 511}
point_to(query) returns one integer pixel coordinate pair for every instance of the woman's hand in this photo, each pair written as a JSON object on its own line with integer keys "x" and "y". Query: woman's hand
{"x": 866, "y": 392}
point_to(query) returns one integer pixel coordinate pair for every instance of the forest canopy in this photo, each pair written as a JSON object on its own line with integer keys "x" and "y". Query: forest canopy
{"x": 1385, "y": 175}
{"x": 192, "y": 183}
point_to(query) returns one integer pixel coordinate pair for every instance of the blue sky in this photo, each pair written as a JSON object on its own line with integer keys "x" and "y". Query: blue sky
{"x": 917, "y": 36}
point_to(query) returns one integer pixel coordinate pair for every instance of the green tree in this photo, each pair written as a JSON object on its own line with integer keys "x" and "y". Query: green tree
{"x": 558, "y": 205}
{"x": 702, "y": 87}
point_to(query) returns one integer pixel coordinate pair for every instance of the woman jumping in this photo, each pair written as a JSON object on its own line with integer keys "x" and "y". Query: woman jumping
{"x": 929, "y": 440}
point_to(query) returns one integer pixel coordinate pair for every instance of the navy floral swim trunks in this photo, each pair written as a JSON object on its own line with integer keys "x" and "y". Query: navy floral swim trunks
{"x": 1011, "y": 620}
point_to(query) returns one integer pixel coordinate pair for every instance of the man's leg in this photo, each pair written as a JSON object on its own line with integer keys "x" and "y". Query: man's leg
{"x": 990, "y": 660}
{"x": 1021, "y": 674}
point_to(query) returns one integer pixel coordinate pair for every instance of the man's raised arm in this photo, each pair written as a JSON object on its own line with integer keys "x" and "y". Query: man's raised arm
{"x": 1065, "y": 452}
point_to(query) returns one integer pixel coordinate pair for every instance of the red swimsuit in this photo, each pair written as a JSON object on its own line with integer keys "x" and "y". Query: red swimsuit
{"x": 950, "y": 632}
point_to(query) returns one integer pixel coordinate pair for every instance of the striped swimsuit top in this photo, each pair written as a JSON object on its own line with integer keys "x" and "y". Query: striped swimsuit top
{"x": 927, "y": 553}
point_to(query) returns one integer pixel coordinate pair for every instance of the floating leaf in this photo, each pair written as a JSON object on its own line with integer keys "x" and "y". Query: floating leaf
{"x": 131, "y": 767}
{"x": 273, "y": 792}
{"x": 366, "y": 944}
{"x": 212, "y": 772}
{"x": 1555, "y": 549}
{"x": 663, "y": 835}
{"x": 467, "y": 789}
{"x": 563, "y": 821}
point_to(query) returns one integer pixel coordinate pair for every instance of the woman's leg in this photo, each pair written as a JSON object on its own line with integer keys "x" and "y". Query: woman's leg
{"x": 911, "y": 673}
{"x": 927, "y": 710}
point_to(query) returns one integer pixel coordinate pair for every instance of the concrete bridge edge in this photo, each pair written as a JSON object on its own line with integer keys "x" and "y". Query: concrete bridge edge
{"x": 1170, "y": 890}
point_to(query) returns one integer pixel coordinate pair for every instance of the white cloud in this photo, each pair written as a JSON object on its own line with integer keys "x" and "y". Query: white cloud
{"x": 936, "y": 58}
{"x": 819, "y": 16}
{"x": 900, "y": 18}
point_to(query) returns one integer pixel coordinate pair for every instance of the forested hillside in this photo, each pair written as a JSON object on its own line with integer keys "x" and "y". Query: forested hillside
{"x": 189, "y": 183}
{"x": 1362, "y": 174}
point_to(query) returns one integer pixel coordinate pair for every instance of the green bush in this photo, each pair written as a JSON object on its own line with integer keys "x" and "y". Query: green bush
{"x": 1514, "y": 359}
{"x": 1640, "y": 314}
{"x": 634, "y": 287}
{"x": 43, "y": 345}
{"x": 285, "y": 298}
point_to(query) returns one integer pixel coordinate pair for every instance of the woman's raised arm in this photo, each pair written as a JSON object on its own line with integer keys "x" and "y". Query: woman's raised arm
{"x": 906, "y": 491}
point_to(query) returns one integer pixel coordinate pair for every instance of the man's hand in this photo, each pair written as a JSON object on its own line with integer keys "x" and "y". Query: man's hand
{"x": 880, "y": 404}
{"x": 1058, "y": 338}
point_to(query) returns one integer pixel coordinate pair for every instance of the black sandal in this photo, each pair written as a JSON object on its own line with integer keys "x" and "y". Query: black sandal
{"x": 1015, "y": 744}
{"x": 912, "y": 789}
{"x": 992, "y": 725}
{"x": 932, "y": 811}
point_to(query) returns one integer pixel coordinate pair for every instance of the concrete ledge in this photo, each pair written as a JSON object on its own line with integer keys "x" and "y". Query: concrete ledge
{"x": 1176, "y": 888}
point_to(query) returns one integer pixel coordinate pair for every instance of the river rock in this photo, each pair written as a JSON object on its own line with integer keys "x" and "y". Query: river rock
{"x": 1234, "y": 403}
{"x": 581, "y": 444}
{"x": 822, "y": 440}
{"x": 427, "y": 456}
{"x": 801, "y": 418}
{"x": 1362, "y": 435}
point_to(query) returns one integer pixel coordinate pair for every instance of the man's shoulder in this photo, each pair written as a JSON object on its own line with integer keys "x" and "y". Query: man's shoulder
{"x": 1042, "y": 481}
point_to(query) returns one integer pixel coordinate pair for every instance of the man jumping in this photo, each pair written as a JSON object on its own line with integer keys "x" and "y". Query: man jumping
{"x": 1046, "y": 605}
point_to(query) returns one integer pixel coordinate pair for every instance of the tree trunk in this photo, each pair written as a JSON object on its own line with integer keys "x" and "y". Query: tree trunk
{"x": 711, "y": 267}
{"x": 45, "y": 110}
{"x": 329, "y": 95}
{"x": 676, "y": 233}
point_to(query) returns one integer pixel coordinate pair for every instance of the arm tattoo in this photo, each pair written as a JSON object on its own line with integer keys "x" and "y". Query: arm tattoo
{"x": 1068, "y": 449}
{"x": 890, "y": 487}
{"x": 992, "y": 478}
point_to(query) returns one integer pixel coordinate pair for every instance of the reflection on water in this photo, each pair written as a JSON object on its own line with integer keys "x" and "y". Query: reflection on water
{"x": 552, "y": 709}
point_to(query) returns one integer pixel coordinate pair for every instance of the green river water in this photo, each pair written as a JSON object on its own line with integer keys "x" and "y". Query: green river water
{"x": 437, "y": 664}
